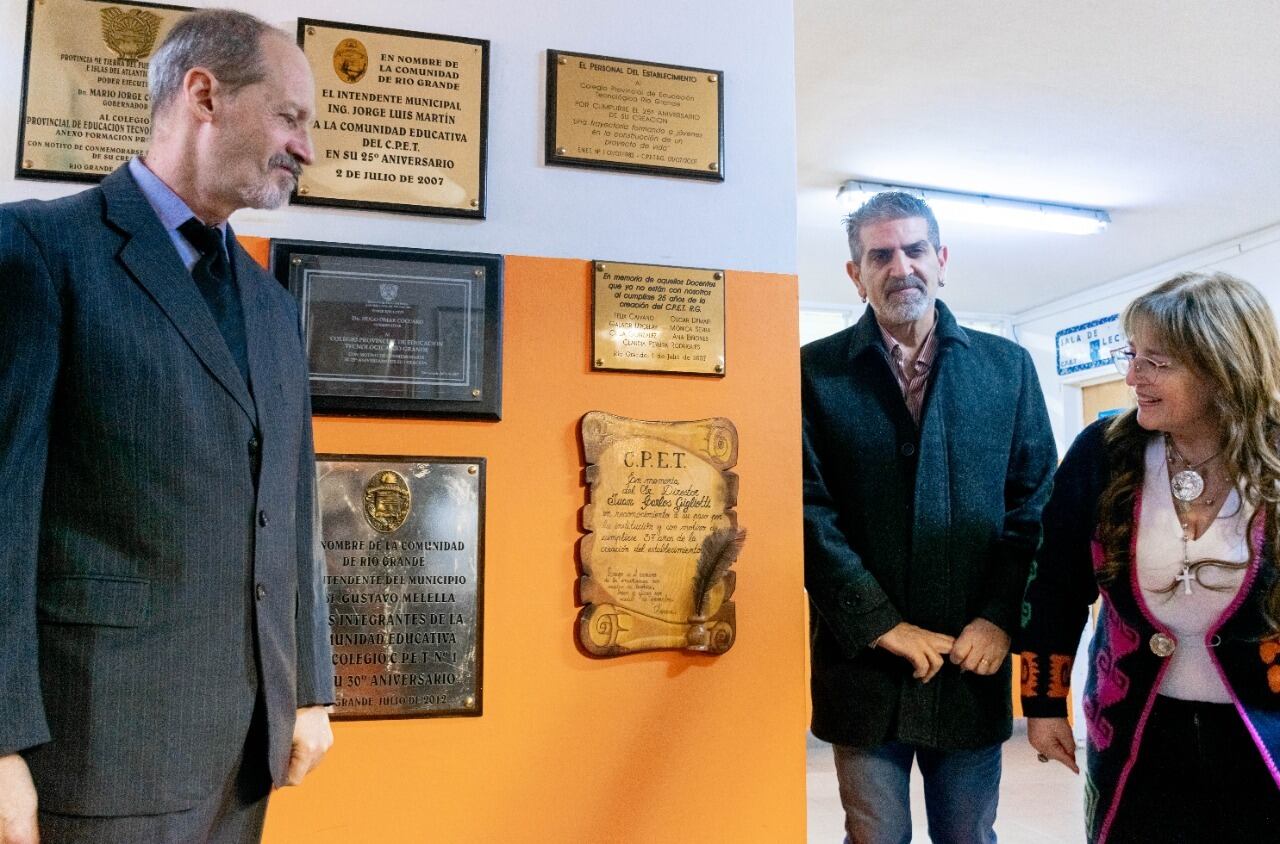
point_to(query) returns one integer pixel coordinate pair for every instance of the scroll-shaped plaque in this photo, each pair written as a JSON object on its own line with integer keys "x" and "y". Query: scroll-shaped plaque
{"x": 661, "y": 535}
{"x": 403, "y": 541}
{"x": 85, "y": 108}
{"x": 401, "y": 119}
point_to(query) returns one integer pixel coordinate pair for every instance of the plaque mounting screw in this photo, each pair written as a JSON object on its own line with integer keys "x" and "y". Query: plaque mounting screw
{"x": 470, "y": 702}
{"x": 297, "y": 260}
{"x": 311, "y": 30}
{"x": 560, "y": 150}
{"x": 717, "y": 276}
{"x": 719, "y": 367}
{"x": 599, "y": 361}
{"x": 303, "y": 191}
{"x": 475, "y": 394}
{"x": 479, "y": 272}
{"x": 563, "y": 60}
{"x": 713, "y": 166}
{"x": 28, "y": 164}
{"x": 711, "y": 77}
{"x": 471, "y": 470}
{"x": 475, "y": 203}
{"x": 601, "y": 267}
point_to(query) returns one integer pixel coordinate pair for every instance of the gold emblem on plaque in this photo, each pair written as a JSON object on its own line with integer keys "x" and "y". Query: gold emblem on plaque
{"x": 131, "y": 34}
{"x": 350, "y": 60}
{"x": 386, "y": 501}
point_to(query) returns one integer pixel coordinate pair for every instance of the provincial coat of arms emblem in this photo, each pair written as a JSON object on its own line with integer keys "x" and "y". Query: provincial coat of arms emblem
{"x": 388, "y": 291}
{"x": 130, "y": 34}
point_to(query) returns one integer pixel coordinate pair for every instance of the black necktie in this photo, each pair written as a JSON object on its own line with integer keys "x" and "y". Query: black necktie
{"x": 212, "y": 273}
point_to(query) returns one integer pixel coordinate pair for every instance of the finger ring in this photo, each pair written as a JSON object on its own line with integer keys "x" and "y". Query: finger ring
{"x": 1042, "y": 757}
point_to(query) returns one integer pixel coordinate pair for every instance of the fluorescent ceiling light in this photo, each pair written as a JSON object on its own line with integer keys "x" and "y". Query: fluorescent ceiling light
{"x": 986, "y": 210}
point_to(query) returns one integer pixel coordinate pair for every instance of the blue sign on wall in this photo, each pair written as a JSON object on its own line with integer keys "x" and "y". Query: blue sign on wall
{"x": 1088, "y": 346}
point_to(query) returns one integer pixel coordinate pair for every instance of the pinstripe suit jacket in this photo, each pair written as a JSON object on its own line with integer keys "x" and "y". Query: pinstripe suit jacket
{"x": 157, "y": 552}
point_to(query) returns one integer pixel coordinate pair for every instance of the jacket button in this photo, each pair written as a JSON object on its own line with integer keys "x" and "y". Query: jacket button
{"x": 262, "y": 518}
{"x": 907, "y": 449}
{"x": 262, "y": 591}
{"x": 253, "y": 447}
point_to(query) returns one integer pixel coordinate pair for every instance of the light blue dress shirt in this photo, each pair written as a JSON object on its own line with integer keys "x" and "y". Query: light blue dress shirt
{"x": 171, "y": 210}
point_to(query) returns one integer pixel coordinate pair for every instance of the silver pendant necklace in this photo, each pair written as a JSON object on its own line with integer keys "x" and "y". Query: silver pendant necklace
{"x": 1187, "y": 484}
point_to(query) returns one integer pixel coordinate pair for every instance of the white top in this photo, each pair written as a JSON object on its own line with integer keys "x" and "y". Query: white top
{"x": 1191, "y": 674}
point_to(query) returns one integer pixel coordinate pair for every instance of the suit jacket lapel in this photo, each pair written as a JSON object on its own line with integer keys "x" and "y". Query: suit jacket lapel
{"x": 258, "y": 325}
{"x": 149, "y": 256}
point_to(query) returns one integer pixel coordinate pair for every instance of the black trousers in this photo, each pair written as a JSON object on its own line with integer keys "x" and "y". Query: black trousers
{"x": 1199, "y": 777}
{"x": 233, "y": 814}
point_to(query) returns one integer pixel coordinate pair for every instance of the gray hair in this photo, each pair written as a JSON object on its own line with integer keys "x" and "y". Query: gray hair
{"x": 227, "y": 43}
{"x": 889, "y": 205}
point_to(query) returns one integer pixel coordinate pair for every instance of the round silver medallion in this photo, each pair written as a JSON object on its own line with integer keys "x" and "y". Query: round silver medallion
{"x": 1162, "y": 645}
{"x": 1187, "y": 485}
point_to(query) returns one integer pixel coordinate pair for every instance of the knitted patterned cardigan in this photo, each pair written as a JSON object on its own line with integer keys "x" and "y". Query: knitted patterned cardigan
{"x": 1124, "y": 668}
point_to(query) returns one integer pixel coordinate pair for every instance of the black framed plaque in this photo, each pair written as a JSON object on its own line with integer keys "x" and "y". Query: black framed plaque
{"x": 401, "y": 120}
{"x": 396, "y": 331}
{"x": 403, "y": 542}
{"x": 643, "y": 117}
{"x": 85, "y": 109}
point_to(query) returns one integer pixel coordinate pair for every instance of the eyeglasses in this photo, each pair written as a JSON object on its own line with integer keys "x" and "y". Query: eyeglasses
{"x": 1145, "y": 369}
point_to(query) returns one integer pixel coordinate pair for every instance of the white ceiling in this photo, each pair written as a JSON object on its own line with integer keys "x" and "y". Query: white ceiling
{"x": 1167, "y": 114}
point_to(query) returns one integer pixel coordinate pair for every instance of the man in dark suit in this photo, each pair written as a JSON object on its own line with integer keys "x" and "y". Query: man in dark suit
{"x": 927, "y": 459}
{"x": 166, "y": 658}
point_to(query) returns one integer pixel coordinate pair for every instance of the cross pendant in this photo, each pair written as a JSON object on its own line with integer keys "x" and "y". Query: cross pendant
{"x": 1185, "y": 578}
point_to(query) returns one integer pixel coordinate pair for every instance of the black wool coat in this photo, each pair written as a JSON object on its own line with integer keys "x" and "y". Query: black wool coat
{"x": 934, "y": 525}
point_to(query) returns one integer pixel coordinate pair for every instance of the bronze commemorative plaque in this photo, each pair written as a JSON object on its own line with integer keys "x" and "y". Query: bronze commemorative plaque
{"x": 403, "y": 541}
{"x": 654, "y": 318}
{"x": 661, "y": 535}
{"x": 401, "y": 120}
{"x": 639, "y": 116}
{"x": 85, "y": 109}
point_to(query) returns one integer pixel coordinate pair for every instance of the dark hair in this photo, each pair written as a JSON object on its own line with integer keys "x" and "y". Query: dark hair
{"x": 889, "y": 205}
{"x": 227, "y": 43}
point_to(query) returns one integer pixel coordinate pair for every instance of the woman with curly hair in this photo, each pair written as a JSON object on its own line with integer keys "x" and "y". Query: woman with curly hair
{"x": 1170, "y": 512}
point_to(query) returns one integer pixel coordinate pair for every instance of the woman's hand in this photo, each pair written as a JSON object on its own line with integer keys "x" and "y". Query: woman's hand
{"x": 1052, "y": 738}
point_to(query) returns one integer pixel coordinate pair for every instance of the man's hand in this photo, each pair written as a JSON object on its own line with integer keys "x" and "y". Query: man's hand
{"x": 922, "y": 648}
{"x": 981, "y": 647}
{"x": 1052, "y": 738}
{"x": 312, "y": 738}
{"x": 17, "y": 802}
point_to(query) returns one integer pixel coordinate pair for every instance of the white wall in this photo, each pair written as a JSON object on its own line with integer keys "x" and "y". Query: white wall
{"x": 745, "y": 222}
{"x": 1254, "y": 258}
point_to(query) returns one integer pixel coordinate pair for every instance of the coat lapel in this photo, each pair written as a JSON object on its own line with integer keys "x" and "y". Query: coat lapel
{"x": 257, "y": 308}
{"x": 149, "y": 256}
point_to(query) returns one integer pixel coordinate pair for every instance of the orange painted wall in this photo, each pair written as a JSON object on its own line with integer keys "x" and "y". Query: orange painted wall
{"x": 650, "y": 747}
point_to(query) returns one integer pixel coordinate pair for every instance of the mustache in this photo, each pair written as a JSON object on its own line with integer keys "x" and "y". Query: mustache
{"x": 911, "y": 282}
{"x": 288, "y": 162}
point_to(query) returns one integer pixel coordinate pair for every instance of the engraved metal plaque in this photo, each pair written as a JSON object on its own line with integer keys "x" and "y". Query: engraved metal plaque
{"x": 403, "y": 541}
{"x": 661, "y": 535}
{"x": 401, "y": 120}
{"x": 639, "y": 116}
{"x": 397, "y": 331}
{"x": 658, "y": 319}
{"x": 85, "y": 108}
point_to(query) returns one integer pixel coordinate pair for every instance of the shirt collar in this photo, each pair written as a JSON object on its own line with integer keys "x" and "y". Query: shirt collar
{"x": 169, "y": 207}
{"x": 924, "y": 358}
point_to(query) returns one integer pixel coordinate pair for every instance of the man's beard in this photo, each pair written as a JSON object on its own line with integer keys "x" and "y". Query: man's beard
{"x": 895, "y": 310}
{"x": 268, "y": 193}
